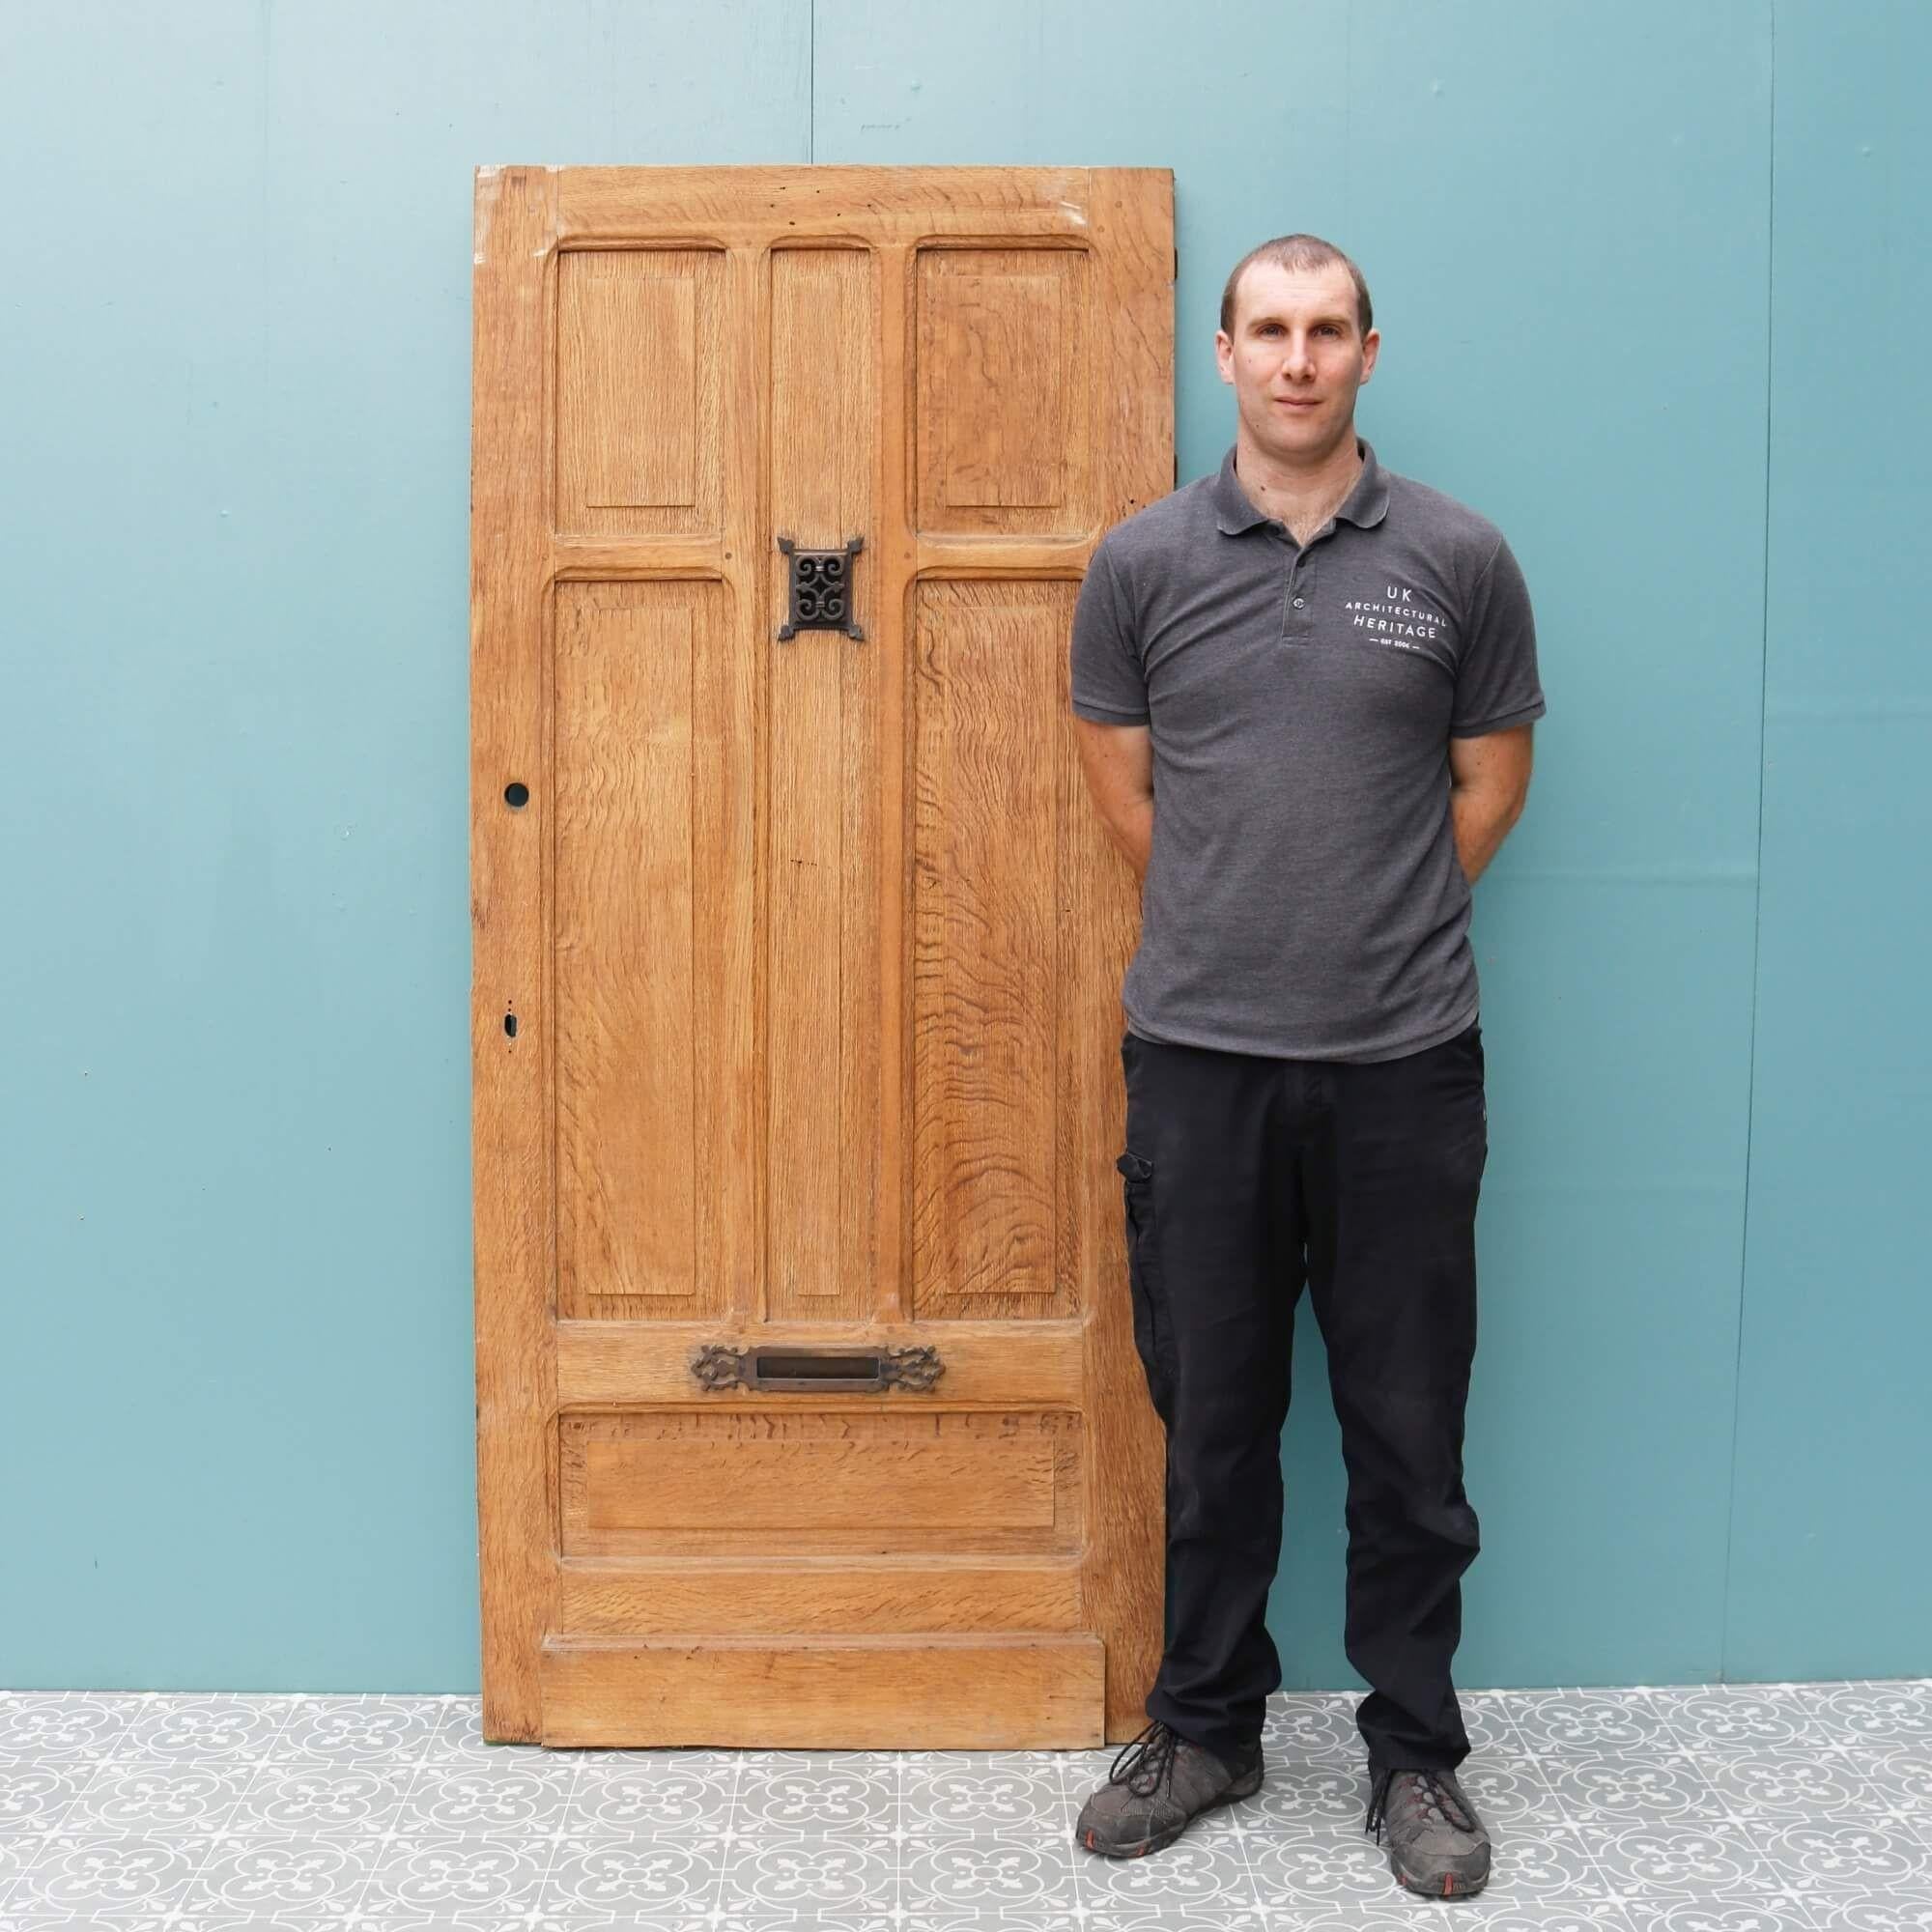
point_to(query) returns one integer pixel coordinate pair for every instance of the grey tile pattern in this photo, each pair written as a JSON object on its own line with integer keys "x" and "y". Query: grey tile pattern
{"x": 1751, "y": 1807}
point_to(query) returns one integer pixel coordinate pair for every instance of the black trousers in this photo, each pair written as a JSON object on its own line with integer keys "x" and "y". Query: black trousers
{"x": 1246, "y": 1176}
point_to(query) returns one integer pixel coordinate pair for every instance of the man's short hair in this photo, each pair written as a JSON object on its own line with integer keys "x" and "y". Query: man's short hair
{"x": 1298, "y": 251}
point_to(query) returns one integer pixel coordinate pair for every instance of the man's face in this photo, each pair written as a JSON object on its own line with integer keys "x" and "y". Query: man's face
{"x": 1297, "y": 357}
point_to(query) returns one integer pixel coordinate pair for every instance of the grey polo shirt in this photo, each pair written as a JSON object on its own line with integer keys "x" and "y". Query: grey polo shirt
{"x": 1303, "y": 897}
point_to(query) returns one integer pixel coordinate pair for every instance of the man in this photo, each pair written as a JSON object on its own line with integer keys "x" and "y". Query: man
{"x": 1304, "y": 690}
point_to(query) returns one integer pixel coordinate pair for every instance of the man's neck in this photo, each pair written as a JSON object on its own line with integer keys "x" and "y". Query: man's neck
{"x": 1304, "y": 500}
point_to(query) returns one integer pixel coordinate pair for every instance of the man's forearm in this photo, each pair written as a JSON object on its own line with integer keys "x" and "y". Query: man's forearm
{"x": 1132, "y": 831}
{"x": 1481, "y": 817}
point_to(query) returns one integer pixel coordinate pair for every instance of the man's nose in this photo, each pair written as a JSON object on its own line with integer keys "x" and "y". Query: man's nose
{"x": 1299, "y": 362}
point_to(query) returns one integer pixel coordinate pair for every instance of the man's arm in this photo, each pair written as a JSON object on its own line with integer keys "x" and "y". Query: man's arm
{"x": 1489, "y": 785}
{"x": 1118, "y": 763}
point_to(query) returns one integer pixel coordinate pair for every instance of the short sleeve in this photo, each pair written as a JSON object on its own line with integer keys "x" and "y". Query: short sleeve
{"x": 1106, "y": 678}
{"x": 1496, "y": 683}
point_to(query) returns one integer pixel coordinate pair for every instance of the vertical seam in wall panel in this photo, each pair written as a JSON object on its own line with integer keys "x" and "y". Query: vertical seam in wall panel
{"x": 1757, "y": 920}
{"x": 812, "y": 80}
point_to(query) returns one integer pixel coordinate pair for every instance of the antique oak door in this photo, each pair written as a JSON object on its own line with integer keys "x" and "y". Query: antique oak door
{"x": 807, "y": 1409}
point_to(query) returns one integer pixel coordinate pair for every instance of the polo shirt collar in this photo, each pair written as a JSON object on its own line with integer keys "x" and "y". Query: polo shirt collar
{"x": 1366, "y": 505}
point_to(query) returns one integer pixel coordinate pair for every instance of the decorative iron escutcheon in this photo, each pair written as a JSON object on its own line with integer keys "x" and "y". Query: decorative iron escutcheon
{"x": 821, "y": 588}
{"x": 718, "y": 1366}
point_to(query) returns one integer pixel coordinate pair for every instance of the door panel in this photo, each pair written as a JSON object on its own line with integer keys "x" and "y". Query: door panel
{"x": 807, "y": 1409}
{"x": 643, "y": 837}
{"x": 1004, "y": 399}
{"x": 640, "y": 390}
{"x": 991, "y": 1227}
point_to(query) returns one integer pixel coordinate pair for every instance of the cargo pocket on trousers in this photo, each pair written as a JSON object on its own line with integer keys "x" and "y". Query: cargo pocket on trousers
{"x": 1151, "y": 1341}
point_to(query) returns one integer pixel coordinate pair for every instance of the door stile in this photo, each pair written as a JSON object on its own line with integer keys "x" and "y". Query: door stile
{"x": 746, "y": 574}
{"x": 891, "y": 603}
{"x": 513, "y": 1138}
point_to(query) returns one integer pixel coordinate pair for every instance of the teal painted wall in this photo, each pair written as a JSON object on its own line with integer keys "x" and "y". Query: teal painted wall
{"x": 1650, "y": 280}
{"x": 1829, "y": 1569}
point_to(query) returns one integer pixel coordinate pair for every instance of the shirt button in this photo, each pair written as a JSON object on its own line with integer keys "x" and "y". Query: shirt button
{"x": 1298, "y": 602}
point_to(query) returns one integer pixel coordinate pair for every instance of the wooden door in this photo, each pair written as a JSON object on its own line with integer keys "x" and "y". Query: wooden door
{"x": 807, "y": 1407}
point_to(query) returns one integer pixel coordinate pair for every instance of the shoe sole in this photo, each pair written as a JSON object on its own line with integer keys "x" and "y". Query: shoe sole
{"x": 1161, "y": 1840}
{"x": 1449, "y": 1886}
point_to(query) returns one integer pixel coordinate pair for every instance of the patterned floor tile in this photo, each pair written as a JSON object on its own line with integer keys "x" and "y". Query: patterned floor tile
{"x": 977, "y": 1793}
{"x": 40, "y": 1727}
{"x": 442, "y": 1875}
{"x": 1336, "y": 1870}
{"x": 35, "y": 1795}
{"x": 1665, "y": 1858}
{"x": 1592, "y": 1788}
{"x": 1534, "y": 1869}
{"x": 1901, "y": 1783}
{"x": 1727, "y": 1719}
{"x": 1023, "y": 1874}
{"x": 193, "y": 1729}
{"x": 1602, "y": 1722}
{"x": 321, "y": 1801}
{"x": 1858, "y": 1849}
{"x": 619, "y": 1796}
{"x": 339, "y": 1731}
{"x": 1308, "y": 1722}
{"x": 1205, "y": 1868}
{"x": 1511, "y": 1794}
{"x": 1399, "y": 1911}
{"x": 1901, "y": 1911}
{"x": 1807, "y": 1780}
{"x": 1301, "y": 1791}
{"x": 1888, "y": 1714}
{"x": 160, "y": 1797}
{"x": 1488, "y": 1716}
{"x": 852, "y": 1794}
{"x": 1747, "y": 1911}
{"x": 474, "y": 1800}
{"x": 824, "y": 1872}
{"x": 19, "y": 1853}
{"x": 1219, "y": 1918}
{"x": 101, "y": 1873}
{"x": 269, "y": 1874}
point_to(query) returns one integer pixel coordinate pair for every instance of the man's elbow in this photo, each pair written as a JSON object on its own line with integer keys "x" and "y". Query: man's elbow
{"x": 1502, "y": 799}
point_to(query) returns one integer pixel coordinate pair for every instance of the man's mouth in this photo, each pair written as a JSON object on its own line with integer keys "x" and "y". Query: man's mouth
{"x": 1298, "y": 402}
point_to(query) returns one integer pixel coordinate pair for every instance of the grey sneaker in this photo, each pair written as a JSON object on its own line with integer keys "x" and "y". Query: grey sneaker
{"x": 1436, "y": 1843}
{"x": 1160, "y": 1782}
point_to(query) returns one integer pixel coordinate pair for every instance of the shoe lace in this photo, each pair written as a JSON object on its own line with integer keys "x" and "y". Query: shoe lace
{"x": 1148, "y": 1756}
{"x": 1433, "y": 1793}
